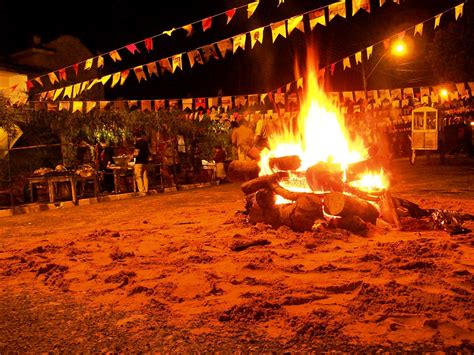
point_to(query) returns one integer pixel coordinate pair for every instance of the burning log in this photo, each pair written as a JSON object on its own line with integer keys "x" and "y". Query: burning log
{"x": 353, "y": 224}
{"x": 242, "y": 170}
{"x": 338, "y": 204}
{"x": 265, "y": 199}
{"x": 354, "y": 170}
{"x": 388, "y": 210}
{"x": 325, "y": 176}
{"x": 291, "y": 162}
{"x": 261, "y": 182}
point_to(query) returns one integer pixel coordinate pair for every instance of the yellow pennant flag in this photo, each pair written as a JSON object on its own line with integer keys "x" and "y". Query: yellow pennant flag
{"x": 358, "y": 57}
{"x": 458, "y": 10}
{"x": 360, "y": 4}
{"x": 315, "y": 18}
{"x": 140, "y": 73}
{"x": 299, "y": 83}
{"x": 152, "y": 69}
{"x": 88, "y": 64}
{"x": 77, "y": 106}
{"x": 115, "y": 56}
{"x": 43, "y": 95}
{"x": 67, "y": 91}
{"x": 103, "y": 105}
{"x": 124, "y": 76}
{"x": 369, "y": 51}
{"x": 437, "y": 20}
{"x": 251, "y": 8}
{"x": 239, "y": 42}
{"x": 381, "y": 2}
{"x": 346, "y": 63}
{"x": 64, "y": 105}
{"x": 115, "y": 79}
{"x": 339, "y": 8}
{"x": 84, "y": 86}
{"x": 295, "y": 22}
{"x": 76, "y": 90}
{"x": 177, "y": 62}
{"x": 105, "y": 79}
{"x": 53, "y": 78}
{"x": 419, "y": 29}
{"x": 95, "y": 81}
{"x": 256, "y": 36}
{"x": 100, "y": 61}
{"x": 187, "y": 103}
{"x": 90, "y": 106}
{"x": 278, "y": 29}
{"x": 262, "y": 98}
{"x": 169, "y": 32}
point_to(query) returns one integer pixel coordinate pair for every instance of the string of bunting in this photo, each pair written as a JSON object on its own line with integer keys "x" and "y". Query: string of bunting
{"x": 171, "y": 64}
{"x": 205, "y": 53}
{"x": 62, "y": 75}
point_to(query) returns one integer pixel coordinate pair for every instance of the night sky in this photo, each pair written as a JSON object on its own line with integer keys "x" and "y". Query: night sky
{"x": 103, "y": 26}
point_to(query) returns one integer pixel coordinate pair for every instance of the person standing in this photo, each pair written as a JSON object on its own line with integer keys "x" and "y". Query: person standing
{"x": 243, "y": 139}
{"x": 219, "y": 159}
{"x": 141, "y": 154}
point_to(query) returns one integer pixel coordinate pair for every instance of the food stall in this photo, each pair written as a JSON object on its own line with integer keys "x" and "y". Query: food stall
{"x": 424, "y": 130}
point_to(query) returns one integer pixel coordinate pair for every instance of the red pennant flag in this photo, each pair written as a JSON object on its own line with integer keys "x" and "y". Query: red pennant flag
{"x": 132, "y": 48}
{"x": 76, "y": 68}
{"x": 206, "y": 23}
{"x": 333, "y": 66}
{"x": 200, "y": 103}
{"x": 62, "y": 74}
{"x": 149, "y": 44}
{"x": 29, "y": 85}
{"x": 230, "y": 14}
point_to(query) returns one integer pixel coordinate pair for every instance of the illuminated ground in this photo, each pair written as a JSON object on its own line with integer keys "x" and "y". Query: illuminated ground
{"x": 157, "y": 273}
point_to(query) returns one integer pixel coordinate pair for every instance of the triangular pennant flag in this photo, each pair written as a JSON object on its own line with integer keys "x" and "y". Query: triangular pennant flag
{"x": 346, "y": 63}
{"x": 295, "y": 22}
{"x": 39, "y": 81}
{"x": 419, "y": 29}
{"x": 189, "y": 30}
{"x": 100, "y": 61}
{"x": 53, "y": 78}
{"x": 381, "y": 2}
{"x": 84, "y": 86}
{"x": 437, "y": 21}
{"x": 115, "y": 79}
{"x": 132, "y": 103}
{"x": 29, "y": 85}
{"x": 358, "y": 57}
{"x": 299, "y": 83}
{"x": 105, "y": 79}
{"x": 67, "y": 91}
{"x": 174, "y": 103}
{"x": 262, "y": 98}
{"x": 239, "y": 42}
{"x": 90, "y": 106}
{"x": 132, "y": 48}
{"x": 224, "y": 46}
{"x": 369, "y": 51}
{"x": 338, "y": 8}
{"x": 360, "y": 4}
{"x": 280, "y": 2}
{"x": 230, "y": 14}
{"x": 316, "y": 17}
{"x": 200, "y": 102}
{"x": 209, "y": 52}
{"x": 62, "y": 74}
{"x": 145, "y": 105}
{"x": 169, "y": 32}
{"x": 253, "y": 100}
{"x": 177, "y": 62}
{"x": 103, "y": 105}
{"x": 149, "y": 44}
{"x": 278, "y": 29}
{"x": 165, "y": 65}
{"x": 76, "y": 90}
{"x": 256, "y": 36}
{"x": 88, "y": 63}
{"x": 77, "y": 106}
{"x": 115, "y": 56}
{"x": 251, "y": 8}
{"x": 194, "y": 56}
{"x": 206, "y": 24}
{"x": 43, "y": 95}
{"x": 76, "y": 68}
{"x": 458, "y": 10}
{"x": 152, "y": 69}
{"x": 95, "y": 81}
{"x": 64, "y": 105}
{"x": 140, "y": 73}
{"x": 124, "y": 76}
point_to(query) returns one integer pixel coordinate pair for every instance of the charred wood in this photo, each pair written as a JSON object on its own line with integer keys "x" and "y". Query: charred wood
{"x": 325, "y": 176}
{"x": 291, "y": 162}
{"x": 262, "y": 182}
{"x": 242, "y": 170}
{"x": 338, "y": 204}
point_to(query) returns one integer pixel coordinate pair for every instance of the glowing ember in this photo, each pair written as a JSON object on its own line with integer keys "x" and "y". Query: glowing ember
{"x": 371, "y": 182}
{"x": 319, "y": 135}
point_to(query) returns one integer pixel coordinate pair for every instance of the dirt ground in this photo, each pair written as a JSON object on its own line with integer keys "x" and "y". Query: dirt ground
{"x": 158, "y": 273}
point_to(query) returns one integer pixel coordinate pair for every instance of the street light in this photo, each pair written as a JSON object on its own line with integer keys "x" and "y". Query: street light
{"x": 398, "y": 49}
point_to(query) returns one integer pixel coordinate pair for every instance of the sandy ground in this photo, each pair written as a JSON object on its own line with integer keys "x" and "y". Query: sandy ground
{"x": 158, "y": 273}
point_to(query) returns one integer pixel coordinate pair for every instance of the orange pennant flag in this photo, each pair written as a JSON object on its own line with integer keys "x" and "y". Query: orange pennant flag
{"x": 64, "y": 105}
{"x": 165, "y": 65}
{"x": 189, "y": 30}
{"x": 230, "y": 14}
{"x": 152, "y": 69}
{"x": 145, "y": 105}
{"x": 140, "y": 73}
{"x": 381, "y": 2}
{"x": 419, "y": 29}
{"x": 338, "y": 8}
{"x": 346, "y": 63}
{"x": 53, "y": 78}
{"x": 115, "y": 56}
{"x": 90, "y": 106}
{"x": 317, "y": 17}
{"x": 278, "y": 29}
{"x": 115, "y": 79}
{"x": 177, "y": 62}
{"x": 124, "y": 76}
{"x": 194, "y": 56}
{"x": 38, "y": 80}
{"x": 360, "y": 4}
{"x": 224, "y": 46}
{"x": 149, "y": 44}
{"x": 100, "y": 61}
{"x": 103, "y": 105}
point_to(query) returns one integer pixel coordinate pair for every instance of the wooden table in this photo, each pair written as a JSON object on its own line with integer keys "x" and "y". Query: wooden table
{"x": 52, "y": 181}
{"x": 120, "y": 171}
